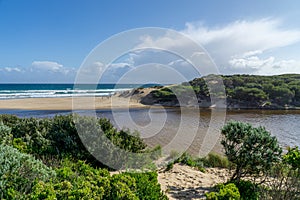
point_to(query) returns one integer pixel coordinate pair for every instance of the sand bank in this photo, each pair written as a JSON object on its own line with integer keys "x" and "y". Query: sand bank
{"x": 79, "y": 103}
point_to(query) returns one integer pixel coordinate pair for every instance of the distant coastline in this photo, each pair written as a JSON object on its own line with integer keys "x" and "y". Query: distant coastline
{"x": 278, "y": 92}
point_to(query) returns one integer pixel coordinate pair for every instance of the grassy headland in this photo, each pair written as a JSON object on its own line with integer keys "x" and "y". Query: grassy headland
{"x": 241, "y": 91}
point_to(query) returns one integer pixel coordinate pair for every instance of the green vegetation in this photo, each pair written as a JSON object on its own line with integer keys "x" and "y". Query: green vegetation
{"x": 19, "y": 171}
{"x": 45, "y": 159}
{"x": 188, "y": 160}
{"x": 287, "y": 177}
{"x": 224, "y": 192}
{"x": 245, "y": 91}
{"x": 253, "y": 150}
{"x": 216, "y": 160}
{"x": 257, "y": 157}
{"x": 211, "y": 160}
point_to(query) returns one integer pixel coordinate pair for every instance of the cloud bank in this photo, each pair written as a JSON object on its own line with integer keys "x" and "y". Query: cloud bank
{"x": 239, "y": 47}
{"x": 242, "y": 46}
{"x": 38, "y": 72}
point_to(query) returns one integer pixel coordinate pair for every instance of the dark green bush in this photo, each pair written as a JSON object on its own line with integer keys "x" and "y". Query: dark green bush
{"x": 252, "y": 150}
{"x": 52, "y": 140}
{"x": 58, "y": 137}
{"x": 248, "y": 190}
{"x": 245, "y": 90}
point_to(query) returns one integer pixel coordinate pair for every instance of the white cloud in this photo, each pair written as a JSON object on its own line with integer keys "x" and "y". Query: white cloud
{"x": 38, "y": 72}
{"x": 280, "y": 67}
{"x": 47, "y": 65}
{"x": 53, "y": 67}
{"x": 246, "y": 35}
{"x": 92, "y": 69}
{"x": 253, "y": 62}
{"x": 239, "y": 47}
{"x": 250, "y": 61}
{"x": 11, "y": 69}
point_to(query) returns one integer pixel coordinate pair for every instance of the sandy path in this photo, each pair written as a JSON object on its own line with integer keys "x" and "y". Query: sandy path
{"x": 184, "y": 182}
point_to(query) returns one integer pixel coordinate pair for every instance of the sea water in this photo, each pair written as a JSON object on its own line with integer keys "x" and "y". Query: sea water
{"x": 17, "y": 91}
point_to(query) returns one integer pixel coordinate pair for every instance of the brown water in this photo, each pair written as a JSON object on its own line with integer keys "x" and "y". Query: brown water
{"x": 198, "y": 132}
{"x": 189, "y": 129}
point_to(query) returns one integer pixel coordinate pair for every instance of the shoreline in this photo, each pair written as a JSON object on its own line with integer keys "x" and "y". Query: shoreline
{"x": 100, "y": 103}
{"x": 71, "y": 103}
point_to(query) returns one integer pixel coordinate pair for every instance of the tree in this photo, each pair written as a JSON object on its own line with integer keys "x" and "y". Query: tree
{"x": 252, "y": 95}
{"x": 252, "y": 150}
{"x": 281, "y": 95}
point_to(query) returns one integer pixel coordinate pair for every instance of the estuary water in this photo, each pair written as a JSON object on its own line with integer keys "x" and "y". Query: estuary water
{"x": 176, "y": 129}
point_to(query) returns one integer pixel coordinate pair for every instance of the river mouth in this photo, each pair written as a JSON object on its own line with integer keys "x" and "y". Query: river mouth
{"x": 160, "y": 126}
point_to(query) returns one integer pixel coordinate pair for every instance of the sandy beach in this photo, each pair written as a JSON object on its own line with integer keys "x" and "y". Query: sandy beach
{"x": 79, "y": 103}
{"x": 184, "y": 182}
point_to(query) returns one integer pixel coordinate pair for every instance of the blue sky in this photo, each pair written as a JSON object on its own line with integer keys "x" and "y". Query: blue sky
{"x": 46, "y": 41}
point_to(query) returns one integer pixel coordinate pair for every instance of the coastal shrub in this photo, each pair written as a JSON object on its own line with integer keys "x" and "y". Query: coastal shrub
{"x": 248, "y": 190}
{"x": 285, "y": 178}
{"x": 19, "y": 171}
{"x": 252, "y": 150}
{"x": 58, "y": 137}
{"x": 227, "y": 191}
{"x": 147, "y": 186}
{"x": 79, "y": 180}
{"x": 74, "y": 180}
{"x": 123, "y": 187}
{"x": 216, "y": 160}
{"x": 292, "y": 157}
{"x": 5, "y": 134}
{"x": 77, "y": 175}
{"x": 188, "y": 160}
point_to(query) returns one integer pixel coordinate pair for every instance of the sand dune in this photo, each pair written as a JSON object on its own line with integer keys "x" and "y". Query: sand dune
{"x": 184, "y": 182}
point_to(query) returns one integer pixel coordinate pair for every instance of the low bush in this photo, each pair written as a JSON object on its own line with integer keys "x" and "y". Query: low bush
{"x": 216, "y": 160}
{"x": 76, "y": 174}
{"x": 6, "y": 137}
{"x": 292, "y": 158}
{"x": 227, "y": 191}
{"x": 147, "y": 186}
{"x": 188, "y": 160}
{"x": 248, "y": 190}
{"x": 19, "y": 171}
{"x": 285, "y": 178}
{"x": 82, "y": 181}
{"x": 61, "y": 137}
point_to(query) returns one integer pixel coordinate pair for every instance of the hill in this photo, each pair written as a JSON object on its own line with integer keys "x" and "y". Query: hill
{"x": 241, "y": 91}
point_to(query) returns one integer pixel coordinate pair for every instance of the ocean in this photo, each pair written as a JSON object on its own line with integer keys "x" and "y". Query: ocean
{"x": 17, "y": 91}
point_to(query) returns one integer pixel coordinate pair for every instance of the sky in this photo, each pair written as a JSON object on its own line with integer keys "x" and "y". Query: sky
{"x": 47, "y": 41}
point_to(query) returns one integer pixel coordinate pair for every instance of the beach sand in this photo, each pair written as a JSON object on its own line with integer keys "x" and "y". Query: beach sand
{"x": 184, "y": 182}
{"x": 121, "y": 100}
{"x": 79, "y": 103}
